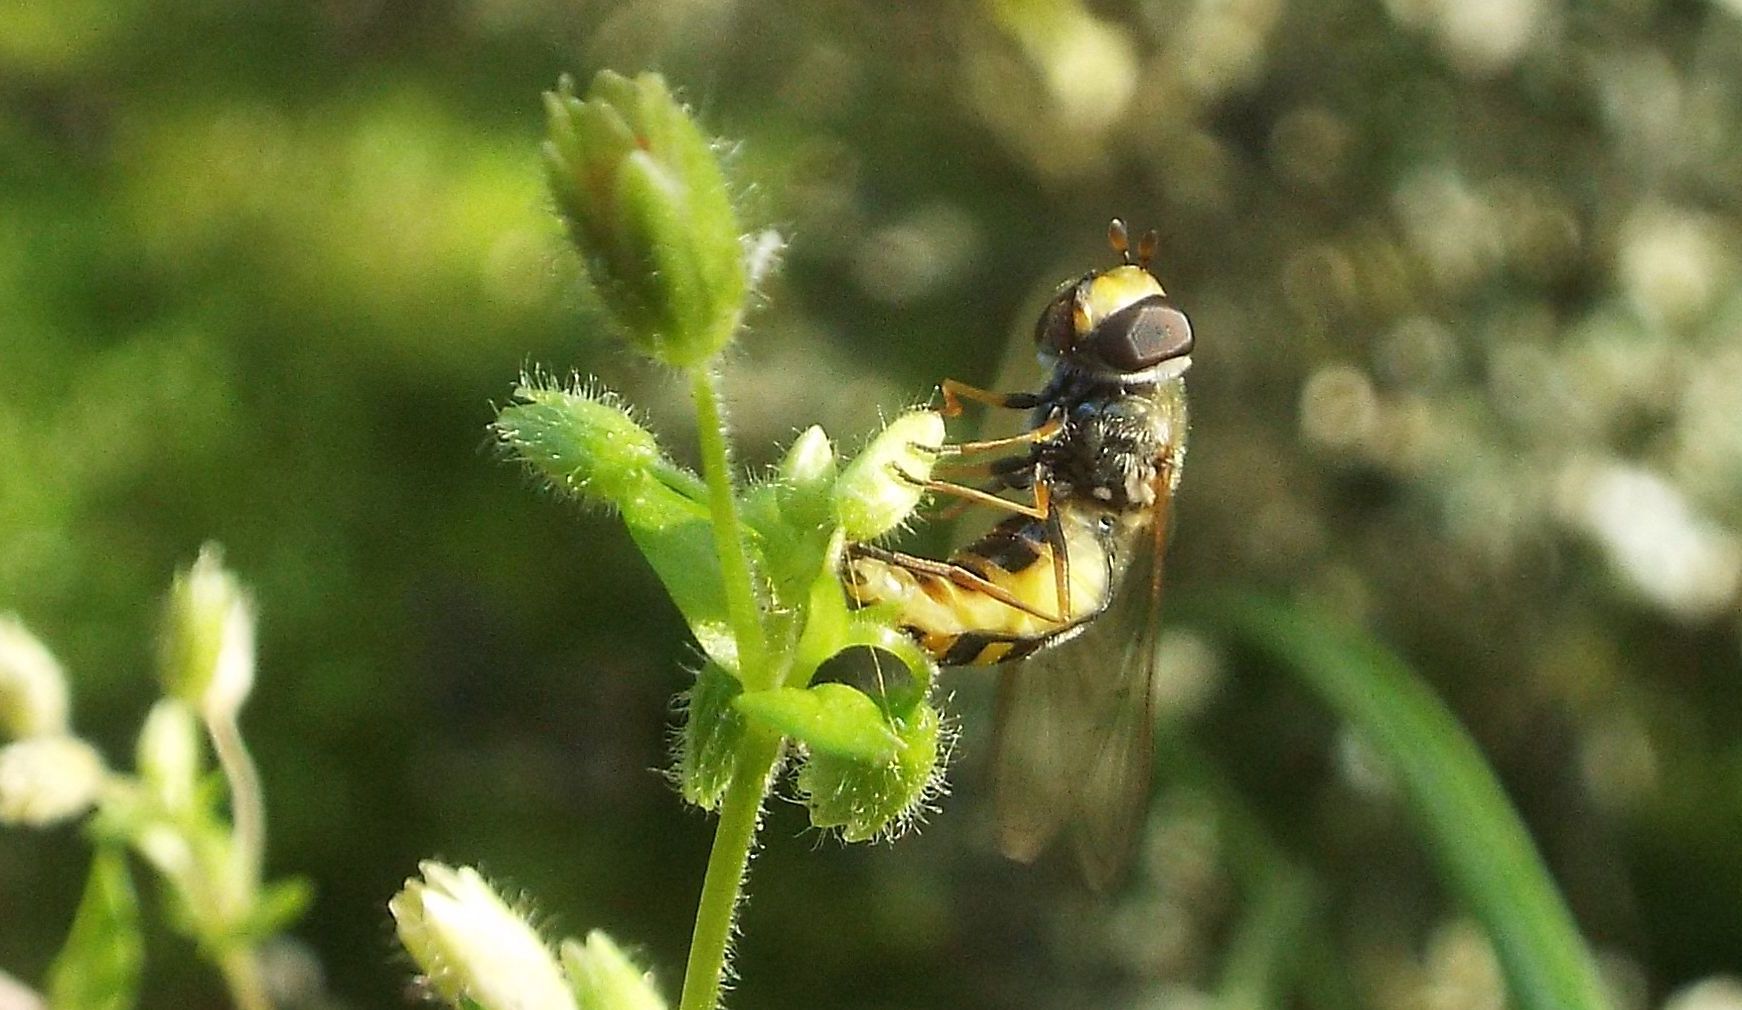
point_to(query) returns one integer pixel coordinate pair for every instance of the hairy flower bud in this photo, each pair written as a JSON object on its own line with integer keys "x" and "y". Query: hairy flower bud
{"x": 872, "y": 799}
{"x": 583, "y": 441}
{"x": 880, "y": 489}
{"x": 46, "y": 779}
{"x": 605, "y": 978}
{"x": 208, "y": 638}
{"x": 647, "y": 206}
{"x": 471, "y": 946}
{"x": 33, "y": 691}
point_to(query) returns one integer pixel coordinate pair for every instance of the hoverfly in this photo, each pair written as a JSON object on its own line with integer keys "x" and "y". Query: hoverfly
{"x": 1100, "y": 461}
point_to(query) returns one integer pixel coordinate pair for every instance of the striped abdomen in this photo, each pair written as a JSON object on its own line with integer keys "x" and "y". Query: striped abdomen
{"x": 965, "y": 625}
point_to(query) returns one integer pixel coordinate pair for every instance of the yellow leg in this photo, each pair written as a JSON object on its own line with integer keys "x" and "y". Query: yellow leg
{"x": 1053, "y": 426}
{"x": 1036, "y": 511}
{"x": 955, "y": 392}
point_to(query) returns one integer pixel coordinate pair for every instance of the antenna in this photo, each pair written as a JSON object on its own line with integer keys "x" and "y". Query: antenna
{"x": 1118, "y": 239}
{"x": 1146, "y": 247}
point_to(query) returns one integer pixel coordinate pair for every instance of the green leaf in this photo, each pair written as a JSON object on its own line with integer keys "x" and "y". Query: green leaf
{"x": 582, "y": 441}
{"x": 712, "y": 732}
{"x": 831, "y": 719}
{"x": 98, "y": 968}
{"x": 280, "y": 904}
{"x": 1482, "y": 847}
{"x": 680, "y": 547}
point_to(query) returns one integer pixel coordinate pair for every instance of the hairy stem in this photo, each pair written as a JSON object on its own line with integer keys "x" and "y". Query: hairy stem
{"x": 724, "y": 884}
{"x": 247, "y": 806}
{"x": 753, "y": 669}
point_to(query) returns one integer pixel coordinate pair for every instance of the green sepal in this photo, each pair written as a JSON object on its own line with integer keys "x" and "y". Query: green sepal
{"x": 712, "y": 732}
{"x": 98, "y": 968}
{"x": 871, "y": 799}
{"x": 834, "y": 719}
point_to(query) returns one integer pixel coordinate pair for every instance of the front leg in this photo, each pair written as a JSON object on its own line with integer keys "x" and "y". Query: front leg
{"x": 955, "y": 392}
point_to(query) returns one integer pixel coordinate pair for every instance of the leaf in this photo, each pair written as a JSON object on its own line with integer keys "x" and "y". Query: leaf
{"x": 280, "y": 903}
{"x": 98, "y": 968}
{"x": 833, "y": 719}
{"x": 584, "y": 442}
{"x": 680, "y": 547}
{"x": 1482, "y": 847}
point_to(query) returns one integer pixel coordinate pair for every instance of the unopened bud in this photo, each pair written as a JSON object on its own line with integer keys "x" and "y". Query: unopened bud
{"x": 208, "y": 638}
{"x": 881, "y": 487}
{"x": 47, "y": 779}
{"x": 874, "y": 799}
{"x": 605, "y": 978}
{"x": 582, "y": 441}
{"x": 169, "y": 756}
{"x": 33, "y": 691}
{"x": 647, "y": 206}
{"x": 471, "y": 946}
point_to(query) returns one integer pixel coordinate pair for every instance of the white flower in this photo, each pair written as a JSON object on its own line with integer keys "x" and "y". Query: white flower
{"x": 48, "y": 778}
{"x": 471, "y": 945}
{"x": 605, "y": 978}
{"x": 208, "y": 638}
{"x": 33, "y": 691}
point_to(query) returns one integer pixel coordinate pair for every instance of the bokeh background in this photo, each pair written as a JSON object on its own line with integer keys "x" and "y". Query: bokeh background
{"x": 1464, "y": 278}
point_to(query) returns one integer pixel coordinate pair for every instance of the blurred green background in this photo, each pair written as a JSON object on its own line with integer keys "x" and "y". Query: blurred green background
{"x": 1463, "y": 274}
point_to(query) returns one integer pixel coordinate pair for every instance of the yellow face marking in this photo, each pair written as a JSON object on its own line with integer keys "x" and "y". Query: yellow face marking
{"x": 1109, "y": 292}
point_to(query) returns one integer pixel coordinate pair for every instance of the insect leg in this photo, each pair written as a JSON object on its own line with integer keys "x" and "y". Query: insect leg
{"x": 1061, "y": 558}
{"x": 1053, "y": 426}
{"x": 961, "y": 575}
{"x": 955, "y": 392}
{"x": 1036, "y": 511}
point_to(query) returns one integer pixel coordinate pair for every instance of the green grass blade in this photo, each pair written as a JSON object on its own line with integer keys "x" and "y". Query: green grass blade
{"x": 1481, "y": 845}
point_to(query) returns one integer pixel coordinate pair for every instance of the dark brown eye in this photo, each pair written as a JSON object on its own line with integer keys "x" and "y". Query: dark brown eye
{"x": 1143, "y": 334}
{"x": 1057, "y": 329}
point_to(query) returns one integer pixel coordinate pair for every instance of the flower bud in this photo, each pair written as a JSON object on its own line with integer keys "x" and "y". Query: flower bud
{"x": 806, "y": 481}
{"x": 810, "y": 461}
{"x": 46, "y": 779}
{"x": 880, "y": 488}
{"x": 582, "y": 441}
{"x": 33, "y": 691}
{"x": 647, "y": 206}
{"x": 707, "y": 752}
{"x": 471, "y": 946}
{"x": 208, "y": 638}
{"x": 871, "y": 799}
{"x": 605, "y": 979}
{"x": 168, "y": 754}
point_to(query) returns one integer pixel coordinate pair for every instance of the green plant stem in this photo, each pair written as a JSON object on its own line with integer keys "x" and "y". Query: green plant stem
{"x": 241, "y": 972}
{"x": 753, "y": 670}
{"x": 1482, "y": 847}
{"x": 247, "y": 805}
{"x": 724, "y": 884}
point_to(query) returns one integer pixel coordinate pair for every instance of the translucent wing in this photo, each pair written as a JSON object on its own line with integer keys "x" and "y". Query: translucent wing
{"x": 1076, "y": 722}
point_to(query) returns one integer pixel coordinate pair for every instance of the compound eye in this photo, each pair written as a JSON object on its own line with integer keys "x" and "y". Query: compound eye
{"x": 1143, "y": 334}
{"x": 1057, "y": 329}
